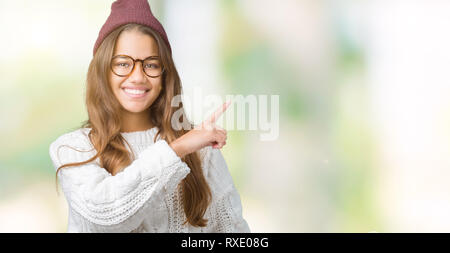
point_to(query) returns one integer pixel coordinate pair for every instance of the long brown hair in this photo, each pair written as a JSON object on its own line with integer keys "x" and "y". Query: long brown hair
{"x": 105, "y": 122}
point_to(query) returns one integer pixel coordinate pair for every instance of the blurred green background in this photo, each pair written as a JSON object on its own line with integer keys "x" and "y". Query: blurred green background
{"x": 364, "y": 142}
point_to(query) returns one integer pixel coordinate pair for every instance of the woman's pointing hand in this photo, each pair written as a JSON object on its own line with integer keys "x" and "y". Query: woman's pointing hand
{"x": 205, "y": 134}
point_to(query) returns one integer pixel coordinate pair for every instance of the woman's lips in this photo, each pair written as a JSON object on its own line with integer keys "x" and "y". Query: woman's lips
{"x": 132, "y": 95}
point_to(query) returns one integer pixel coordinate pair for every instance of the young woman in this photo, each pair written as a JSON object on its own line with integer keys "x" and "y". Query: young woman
{"x": 127, "y": 168}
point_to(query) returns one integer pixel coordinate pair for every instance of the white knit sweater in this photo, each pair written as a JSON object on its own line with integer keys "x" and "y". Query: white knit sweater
{"x": 146, "y": 195}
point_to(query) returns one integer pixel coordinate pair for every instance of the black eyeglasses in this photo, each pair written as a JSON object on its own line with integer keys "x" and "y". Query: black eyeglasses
{"x": 123, "y": 65}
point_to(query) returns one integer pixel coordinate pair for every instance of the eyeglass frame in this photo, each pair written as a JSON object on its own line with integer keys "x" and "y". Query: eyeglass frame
{"x": 134, "y": 65}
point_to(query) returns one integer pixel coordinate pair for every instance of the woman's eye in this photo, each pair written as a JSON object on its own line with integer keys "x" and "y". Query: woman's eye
{"x": 122, "y": 64}
{"x": 151, "y": 66}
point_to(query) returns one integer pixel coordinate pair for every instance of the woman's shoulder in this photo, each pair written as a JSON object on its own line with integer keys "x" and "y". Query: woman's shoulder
{"x": 204, "y": 153}
{"x": 71, "y": 147}
{"x": 209, "y": 154}
{"x": 215, "y": 170}
{"x": 206, "y": 156}
{"x": 77, "y": 139}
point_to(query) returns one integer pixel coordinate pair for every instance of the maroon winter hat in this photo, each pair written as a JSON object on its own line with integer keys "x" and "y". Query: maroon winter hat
{"x": 130, "y": 11}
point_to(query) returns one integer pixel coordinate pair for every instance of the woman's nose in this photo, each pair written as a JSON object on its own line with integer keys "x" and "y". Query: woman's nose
{"x": 137, "y": 75}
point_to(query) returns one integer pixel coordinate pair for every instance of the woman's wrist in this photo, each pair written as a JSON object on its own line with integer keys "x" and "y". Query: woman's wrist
{"x": 178, "y": 148}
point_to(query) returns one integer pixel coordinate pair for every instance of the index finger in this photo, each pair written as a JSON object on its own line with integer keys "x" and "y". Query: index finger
{"x": 219, "y": 112}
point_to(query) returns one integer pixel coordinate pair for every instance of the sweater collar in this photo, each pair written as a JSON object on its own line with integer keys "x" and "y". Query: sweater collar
{"x": 143, "y": 137}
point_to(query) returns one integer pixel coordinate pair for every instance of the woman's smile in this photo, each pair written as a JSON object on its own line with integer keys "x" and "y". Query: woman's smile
{"x": 135, "y": 93}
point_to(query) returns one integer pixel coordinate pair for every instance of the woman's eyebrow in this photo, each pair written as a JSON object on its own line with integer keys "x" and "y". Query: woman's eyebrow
{"x": 151, "y": 56}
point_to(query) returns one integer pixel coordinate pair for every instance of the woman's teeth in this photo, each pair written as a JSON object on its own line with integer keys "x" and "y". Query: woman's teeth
{"x": 137, "y": 92}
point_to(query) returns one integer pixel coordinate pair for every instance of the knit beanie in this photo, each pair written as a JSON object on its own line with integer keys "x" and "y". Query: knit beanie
{"x": 130, "y": 11}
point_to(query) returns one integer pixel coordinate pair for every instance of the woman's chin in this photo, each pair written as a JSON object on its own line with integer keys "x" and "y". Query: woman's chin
{"x": 135, "y": 109}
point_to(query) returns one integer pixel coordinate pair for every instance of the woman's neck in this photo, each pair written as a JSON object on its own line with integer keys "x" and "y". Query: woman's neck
{"x": 132, "y": 122}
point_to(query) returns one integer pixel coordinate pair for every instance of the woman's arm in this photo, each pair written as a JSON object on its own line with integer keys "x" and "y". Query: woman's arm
{"x": 109, "y": 203}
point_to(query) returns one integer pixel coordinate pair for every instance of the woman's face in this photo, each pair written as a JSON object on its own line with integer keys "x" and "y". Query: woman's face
{"x": 139, "y": 46}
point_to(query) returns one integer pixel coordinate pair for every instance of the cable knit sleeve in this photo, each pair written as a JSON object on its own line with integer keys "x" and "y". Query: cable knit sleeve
{"x": 101, "y": 202}
{"x": 226, "y": 208}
